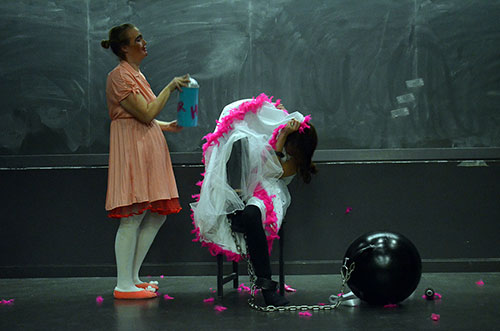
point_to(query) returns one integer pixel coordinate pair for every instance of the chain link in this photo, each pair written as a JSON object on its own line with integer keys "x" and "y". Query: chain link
{"x": 345, "y": 274}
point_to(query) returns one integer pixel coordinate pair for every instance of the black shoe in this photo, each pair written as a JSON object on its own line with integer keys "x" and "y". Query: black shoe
{"x": 271, "y": 297}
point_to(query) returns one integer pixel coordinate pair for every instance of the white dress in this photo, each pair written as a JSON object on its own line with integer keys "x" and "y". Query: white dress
{"x": 257, "y": 123}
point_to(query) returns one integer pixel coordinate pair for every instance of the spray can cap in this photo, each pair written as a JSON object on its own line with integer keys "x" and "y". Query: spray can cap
{"x": 193, "y": 83}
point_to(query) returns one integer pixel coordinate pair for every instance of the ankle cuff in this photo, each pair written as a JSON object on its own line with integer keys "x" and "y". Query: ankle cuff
{"x": 266, "y": 284}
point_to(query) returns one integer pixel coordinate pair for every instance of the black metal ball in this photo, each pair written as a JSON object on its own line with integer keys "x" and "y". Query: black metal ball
{"x": 387, "y": 267}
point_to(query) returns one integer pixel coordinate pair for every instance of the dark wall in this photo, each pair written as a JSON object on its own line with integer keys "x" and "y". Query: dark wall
{"x": 348, "y": 63}
{"x": 391, "y": 80}
{"x": 54, "y": 223}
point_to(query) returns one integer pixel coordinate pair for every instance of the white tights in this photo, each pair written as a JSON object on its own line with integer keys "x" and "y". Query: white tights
{"x": 133, "y": 240}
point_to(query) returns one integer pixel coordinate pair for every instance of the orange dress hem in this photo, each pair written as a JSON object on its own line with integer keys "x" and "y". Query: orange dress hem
{"x": 162, "y": 207}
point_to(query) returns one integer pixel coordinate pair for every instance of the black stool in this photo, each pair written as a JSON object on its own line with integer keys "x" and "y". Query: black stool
{"x": 233, "y": 276}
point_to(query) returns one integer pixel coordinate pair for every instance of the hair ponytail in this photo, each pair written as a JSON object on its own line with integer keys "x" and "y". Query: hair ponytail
{"x": 105, "y": 43}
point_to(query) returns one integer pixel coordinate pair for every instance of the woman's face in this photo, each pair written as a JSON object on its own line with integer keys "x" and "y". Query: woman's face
{"x": 136, "y": 49}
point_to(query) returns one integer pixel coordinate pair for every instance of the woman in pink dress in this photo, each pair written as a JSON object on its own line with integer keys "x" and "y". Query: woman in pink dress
{"x": 141, "y": 182}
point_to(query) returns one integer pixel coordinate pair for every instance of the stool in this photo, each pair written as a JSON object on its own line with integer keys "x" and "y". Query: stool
{"x": 233, "y": 276}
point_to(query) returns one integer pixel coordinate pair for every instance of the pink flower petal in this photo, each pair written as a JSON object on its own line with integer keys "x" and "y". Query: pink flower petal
{"x": 435, "y": 317}
{"x": 289, "y": 288}
{"x": 167, "y": 297}
{"x": 391, "y": 305}
{"x": 209, "y": 300}
{"x": 219, "y": 308}
{"x": 99, "y": 299}
{"x": 305, "y": 314}
{"x": 348, "y": 210}
{"x": 480, "y": 283}
{"x": 321, "y": 304}
{"x": 162, "y": 276}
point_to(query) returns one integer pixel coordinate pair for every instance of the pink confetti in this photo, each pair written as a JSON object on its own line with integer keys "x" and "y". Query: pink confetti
{"x": 162, "y": 276}
{"x": 167, "y": 297}
{"x": 340, "y": 294}
{"x": 437, "y": 296}
{"x": 242, "y": 287}
{"x": 209, "y": 300}
{"x": 480, "y": 283}
{"x": 7, "y": 302}
{"x": 348, "y": 210}
{"x": 289, "y": 288}
{"x": 305, "y": 314}
{"x": 321, "y": 304}
{"x": 435, "y": 317}
{"x": 212, "y": 290}
{"x": 391, "y": 305}
{"x": 99, "y": 299}
{"x": 219, "y": 308}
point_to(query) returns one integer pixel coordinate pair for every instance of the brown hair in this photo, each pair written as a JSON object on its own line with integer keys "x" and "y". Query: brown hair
{"x": 301, "y": 146}
{"x": 118, "y": 37}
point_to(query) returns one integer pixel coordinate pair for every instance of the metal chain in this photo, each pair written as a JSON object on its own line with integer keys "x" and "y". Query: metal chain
{"x": 345, "y": 274}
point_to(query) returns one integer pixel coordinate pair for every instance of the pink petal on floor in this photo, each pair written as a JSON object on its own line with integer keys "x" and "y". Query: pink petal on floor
{"x": 391, "y": 305}
{"x": 435, "y": 317}
{"x": 219, "y": 308}
{"x": 348, "y": 210}
{"x": 167, "y": 297}
{"x": 289, "y": 289}
{"x": 162, "y": 276}
{"x": 437, "y": 296}
{"x": 305, "y": 314}
{"x": 480, "y": 283}
{"x": 340, "y": 294}
{"x": 209, "y": 300}
{"x": 99, "y": 299}
{"x": 321, "y": 304}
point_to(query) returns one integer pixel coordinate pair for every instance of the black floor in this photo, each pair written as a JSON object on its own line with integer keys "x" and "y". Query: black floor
{"x": 70, "y": 304}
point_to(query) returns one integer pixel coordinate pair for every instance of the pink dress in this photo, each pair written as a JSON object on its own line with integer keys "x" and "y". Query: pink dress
{"x": 140, "y": 174}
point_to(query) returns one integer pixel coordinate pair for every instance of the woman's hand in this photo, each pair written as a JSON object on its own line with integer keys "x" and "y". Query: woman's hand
{"x": 178, "y": 83}
{"x": 292, "y": 126}
{"x": 170, "y": 126}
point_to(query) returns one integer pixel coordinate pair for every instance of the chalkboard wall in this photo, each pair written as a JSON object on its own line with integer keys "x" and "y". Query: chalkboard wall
{"x": 374, "y": 74}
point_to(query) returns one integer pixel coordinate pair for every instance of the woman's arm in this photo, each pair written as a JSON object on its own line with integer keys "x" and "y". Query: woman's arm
{"x": 169, "y": 126}
{"x": 137, "y": 106}
{"x": 289, "y": 166}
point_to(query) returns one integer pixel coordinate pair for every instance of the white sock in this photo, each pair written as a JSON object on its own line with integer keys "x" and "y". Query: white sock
{"x": 150, "y": 225}
{"x": 125, "y": 246}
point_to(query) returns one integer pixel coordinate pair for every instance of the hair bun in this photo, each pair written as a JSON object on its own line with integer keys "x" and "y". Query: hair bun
{"x": 105, "y": 43}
